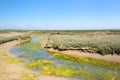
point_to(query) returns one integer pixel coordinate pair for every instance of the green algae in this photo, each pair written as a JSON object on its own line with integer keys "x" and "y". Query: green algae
{"x": 48, "y": 68}
{"x": 86, "y": 60}
{"x": 32, "y": 46}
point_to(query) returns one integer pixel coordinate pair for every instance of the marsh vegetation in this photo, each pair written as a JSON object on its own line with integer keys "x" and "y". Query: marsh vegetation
{"x": 6, "y": 36}
{"x": 92, "y": 42}
{"x": 43, "y": 62}
{"x": 57, "y": 64}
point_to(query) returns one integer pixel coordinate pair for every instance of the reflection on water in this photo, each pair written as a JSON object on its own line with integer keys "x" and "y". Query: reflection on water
{"x": 32, "y": 51}
{"x": 34, "y": 40}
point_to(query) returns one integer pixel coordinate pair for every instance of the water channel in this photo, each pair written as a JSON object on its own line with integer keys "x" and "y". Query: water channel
{"x": 36, "y": 58}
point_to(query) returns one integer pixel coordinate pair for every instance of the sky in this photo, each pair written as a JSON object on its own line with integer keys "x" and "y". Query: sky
{"x": 59, "y": 14}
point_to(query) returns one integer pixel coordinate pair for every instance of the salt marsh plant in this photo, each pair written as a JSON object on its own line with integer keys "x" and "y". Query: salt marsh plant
{"x": 14, "y": 37}
{"x": 103, "y": 44}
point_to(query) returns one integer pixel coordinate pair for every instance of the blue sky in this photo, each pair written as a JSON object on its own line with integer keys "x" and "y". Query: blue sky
{"x": 60, "y": 14}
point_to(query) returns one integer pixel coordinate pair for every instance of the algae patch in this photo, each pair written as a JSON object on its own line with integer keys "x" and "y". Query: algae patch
{"x": 86, "y": 60}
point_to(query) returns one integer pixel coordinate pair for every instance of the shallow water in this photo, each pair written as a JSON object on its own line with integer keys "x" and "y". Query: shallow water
{"x": 33, "y": 51}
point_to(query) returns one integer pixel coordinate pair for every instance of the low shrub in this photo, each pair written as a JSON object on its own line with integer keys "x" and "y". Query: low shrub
{"x": 103, "y": 44}
{"x": 15, "y": 37}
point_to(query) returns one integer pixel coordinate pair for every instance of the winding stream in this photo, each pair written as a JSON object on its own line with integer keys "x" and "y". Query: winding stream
{"x": 37, "y": 58}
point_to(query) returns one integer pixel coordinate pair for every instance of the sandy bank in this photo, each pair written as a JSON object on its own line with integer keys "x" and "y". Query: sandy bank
{"x": 17, "y": 71}
{"x": 109, "y": 58}
{"x": 5, "y": 47}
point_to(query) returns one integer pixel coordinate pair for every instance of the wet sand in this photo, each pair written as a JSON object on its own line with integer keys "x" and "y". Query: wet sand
{"x": 5, "y": 47}
{"x": 17, "y": 71}
{"x": 109, "y": 58}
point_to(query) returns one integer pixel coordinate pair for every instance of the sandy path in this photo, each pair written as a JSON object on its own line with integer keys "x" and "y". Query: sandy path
{"x": 18, "y": 71}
